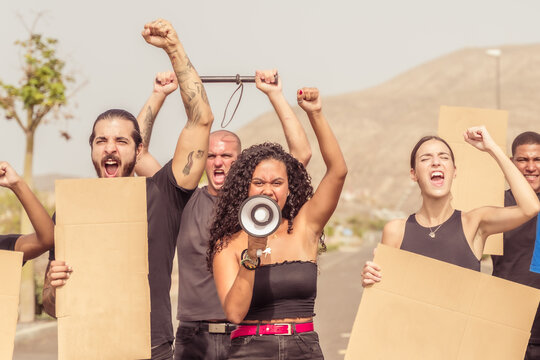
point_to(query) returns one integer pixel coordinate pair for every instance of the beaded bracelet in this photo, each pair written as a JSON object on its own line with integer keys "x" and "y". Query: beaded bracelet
{"x": 247, "y": 262}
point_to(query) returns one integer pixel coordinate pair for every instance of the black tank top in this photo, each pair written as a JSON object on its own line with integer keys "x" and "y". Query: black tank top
{"x": 284, "y": 290}
{"x": 449, "y": 243}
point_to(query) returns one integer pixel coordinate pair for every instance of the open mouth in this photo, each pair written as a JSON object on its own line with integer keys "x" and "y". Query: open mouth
{"x": 111, "y": 164}
{"x": 219, "y": 176}
{"x": 437, "y": 178}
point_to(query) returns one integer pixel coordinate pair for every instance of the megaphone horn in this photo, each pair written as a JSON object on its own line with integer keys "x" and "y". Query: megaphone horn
{"x": 259, "y": 216}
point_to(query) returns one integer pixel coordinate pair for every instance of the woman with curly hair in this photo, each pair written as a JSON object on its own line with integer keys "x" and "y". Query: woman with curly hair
{"x": 274, "y": 294}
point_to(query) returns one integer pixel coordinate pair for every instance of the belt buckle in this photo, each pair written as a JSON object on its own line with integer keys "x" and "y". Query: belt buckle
{"x": 289, "y": 328}
{"x": 217, "y": 328}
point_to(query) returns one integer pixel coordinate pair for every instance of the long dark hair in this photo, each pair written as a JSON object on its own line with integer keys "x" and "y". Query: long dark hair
{"x": 236, "y": 188}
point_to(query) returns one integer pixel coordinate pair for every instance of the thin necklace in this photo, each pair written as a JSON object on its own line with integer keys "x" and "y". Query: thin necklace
{"x": 432, "y": 232}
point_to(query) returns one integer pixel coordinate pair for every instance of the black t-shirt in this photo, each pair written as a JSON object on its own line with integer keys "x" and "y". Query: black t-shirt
{"x": 165, "y": 201}
{"x": 514, "y": 265}
{"x": 7, "y": 242}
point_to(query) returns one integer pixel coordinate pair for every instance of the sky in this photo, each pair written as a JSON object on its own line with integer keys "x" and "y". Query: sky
{"x": 338, "y": 46}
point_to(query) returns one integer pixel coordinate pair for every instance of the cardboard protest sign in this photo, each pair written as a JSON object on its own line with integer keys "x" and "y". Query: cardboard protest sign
{"x": 428, "y": 309}
{"x": 479, "y": 181}
{"x": 103, "y": 310}
{"x": 10, "y": 268}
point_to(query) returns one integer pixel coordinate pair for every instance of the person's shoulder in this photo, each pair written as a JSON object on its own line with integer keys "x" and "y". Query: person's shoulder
{"x": 235, "y": 242}
{"x": 393, "y": 232}
{"x": 394, "y": 226}
{"x": 7, "y": 242}
{"x": 164, "y": 172}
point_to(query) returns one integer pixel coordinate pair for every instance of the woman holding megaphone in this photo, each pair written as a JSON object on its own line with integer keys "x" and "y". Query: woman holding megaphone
{"x": 267, "y": 284}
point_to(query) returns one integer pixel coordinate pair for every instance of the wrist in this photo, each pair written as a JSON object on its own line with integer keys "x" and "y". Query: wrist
{"x": 252, "y": 253}
{"x": 174, "y": 48}
{"x": 275, "y": 95}
{"x": 495, "y": 151}
{"x": 159, "y": 95}
{"x": 314, "y": 114}
{"x": 17, "y": 186}
{"x": 249, "y": 261}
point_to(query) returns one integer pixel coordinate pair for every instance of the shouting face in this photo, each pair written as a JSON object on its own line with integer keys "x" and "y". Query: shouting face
{"x": 113, "y": 149}
{"x": 434, "y": 169}
{"x": 270, "y": 178}
{"x": 223, "y": 150}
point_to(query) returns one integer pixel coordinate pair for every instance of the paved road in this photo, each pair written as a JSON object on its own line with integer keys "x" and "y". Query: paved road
{"x": 339, "y": 293}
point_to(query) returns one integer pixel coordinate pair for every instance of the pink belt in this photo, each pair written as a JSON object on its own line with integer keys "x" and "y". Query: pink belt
{"x": 271, "y": 329}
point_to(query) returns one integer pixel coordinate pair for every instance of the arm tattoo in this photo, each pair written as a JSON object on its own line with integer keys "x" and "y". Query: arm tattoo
{"x": 189, "y": 164}
{"x": 200, "y": 154}
{"x": 148, "y": 125}
{"x": 192, "y": 91}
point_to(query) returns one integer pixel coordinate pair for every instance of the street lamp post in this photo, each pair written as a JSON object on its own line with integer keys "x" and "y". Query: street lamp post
{"x": 496, "y": 53}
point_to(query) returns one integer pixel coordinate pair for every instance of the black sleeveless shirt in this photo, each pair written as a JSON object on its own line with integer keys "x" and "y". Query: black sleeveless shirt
{"x": 449, "y": 243}
{"x": 284, "y": 290}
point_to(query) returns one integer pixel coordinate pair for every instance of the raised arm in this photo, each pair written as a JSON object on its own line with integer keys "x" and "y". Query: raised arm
{"x": 294, "y": 132}
{"x": 164, "y": 84}
{"x": 32, "y": 245}
{"x": 325, "y": 199}
{"x": 494, "y": 220}
{"x": 192, "y": 146}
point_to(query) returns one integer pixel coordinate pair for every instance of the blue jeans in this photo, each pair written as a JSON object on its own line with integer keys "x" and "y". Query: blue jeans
{"x": 197, "y": 344}
{"x": 277, "y": 347}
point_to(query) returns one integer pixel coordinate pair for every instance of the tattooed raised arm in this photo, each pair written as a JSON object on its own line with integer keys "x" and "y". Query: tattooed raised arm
{"x": 192, "y": 147}
{"x": 164, "y": 84}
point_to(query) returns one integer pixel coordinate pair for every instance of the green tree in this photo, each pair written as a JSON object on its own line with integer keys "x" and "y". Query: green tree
{"x": 40, "y": 94}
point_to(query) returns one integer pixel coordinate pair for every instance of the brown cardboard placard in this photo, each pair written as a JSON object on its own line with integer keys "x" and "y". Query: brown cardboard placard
{"x": 103, "y": 310}
{"x": 479, "y": 181}
{"x": 428, "y": 309}
{"x": 10, "y": 268}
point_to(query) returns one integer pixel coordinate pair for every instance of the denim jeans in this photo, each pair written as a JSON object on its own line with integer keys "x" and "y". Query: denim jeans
{"x": 195, "y": 343}
{"x": 162, "y": 352}
{"x": 277, "y": 347}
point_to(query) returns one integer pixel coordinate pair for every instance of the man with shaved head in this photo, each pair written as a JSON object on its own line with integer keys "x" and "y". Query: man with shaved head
{"x": 204, "y": 332}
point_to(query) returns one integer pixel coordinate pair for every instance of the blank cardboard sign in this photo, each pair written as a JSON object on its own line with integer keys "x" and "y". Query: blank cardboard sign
{"x": 103, "y": 310}
{"x": 10, "y": 268}
{"x": 428, "y": 309}
{"x": 479, "y": 181}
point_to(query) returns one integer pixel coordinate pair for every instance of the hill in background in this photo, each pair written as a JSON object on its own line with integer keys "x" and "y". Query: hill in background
{"x": 378, "y": 127}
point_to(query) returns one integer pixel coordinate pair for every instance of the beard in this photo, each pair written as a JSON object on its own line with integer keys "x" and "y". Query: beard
{"x": 125, "y": 172}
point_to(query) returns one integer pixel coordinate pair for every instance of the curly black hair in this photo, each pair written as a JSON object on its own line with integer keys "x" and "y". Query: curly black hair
{"x": 236, "y": 188}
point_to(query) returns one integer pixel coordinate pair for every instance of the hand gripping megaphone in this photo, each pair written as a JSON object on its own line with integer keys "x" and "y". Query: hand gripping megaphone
{"x": 259, "y": 216}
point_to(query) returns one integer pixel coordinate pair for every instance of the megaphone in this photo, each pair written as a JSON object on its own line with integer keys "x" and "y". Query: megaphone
{"x": 259, "y": 216}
